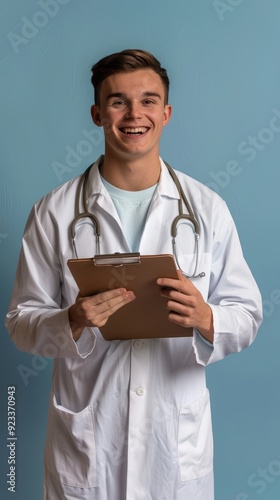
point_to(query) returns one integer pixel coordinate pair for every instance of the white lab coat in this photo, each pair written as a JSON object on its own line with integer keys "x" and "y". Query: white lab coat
{"x": 129, "y": 419}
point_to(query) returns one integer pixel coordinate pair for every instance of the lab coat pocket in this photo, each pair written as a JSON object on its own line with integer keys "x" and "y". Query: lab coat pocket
{"x": 195, "y": 439}
{"x": 70, "y": 446}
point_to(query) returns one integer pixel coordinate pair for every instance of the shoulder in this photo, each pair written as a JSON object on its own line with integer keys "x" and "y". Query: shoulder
{"x": 62, "y": 192}
{"x": 55, "y": 208}
{"x": 210, "y": 208}
{"x": 199, "y": 193}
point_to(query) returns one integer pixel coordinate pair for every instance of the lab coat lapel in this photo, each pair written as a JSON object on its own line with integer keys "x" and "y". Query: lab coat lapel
{"x": 156, "y": 237}
{"x": 97, "y": 195}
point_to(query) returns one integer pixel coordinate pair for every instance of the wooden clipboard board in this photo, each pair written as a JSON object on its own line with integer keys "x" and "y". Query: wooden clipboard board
{"x": 146, "y": 316}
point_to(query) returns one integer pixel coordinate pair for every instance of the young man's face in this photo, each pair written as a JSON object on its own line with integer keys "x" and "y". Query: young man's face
{"x": 132, "y": 111}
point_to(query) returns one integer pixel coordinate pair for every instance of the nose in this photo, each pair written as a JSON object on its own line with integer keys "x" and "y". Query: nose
{"x": 134, "y": 110}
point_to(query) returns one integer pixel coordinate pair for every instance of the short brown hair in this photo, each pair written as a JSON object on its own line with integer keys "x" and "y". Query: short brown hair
{"x": 126, "y": 60}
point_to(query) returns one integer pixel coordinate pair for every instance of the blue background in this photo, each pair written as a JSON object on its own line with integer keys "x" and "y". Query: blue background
{"x": 223, "y": 60}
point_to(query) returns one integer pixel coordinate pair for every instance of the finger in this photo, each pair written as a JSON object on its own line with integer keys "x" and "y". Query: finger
{"x": 99, "y": 298}
{"x": 98, "y": 315}
{"x": 90, "y": 307}
{"x": 179, "y": 308}
{"x": 185, "y": 321}
{"x": 176, "y": 297}
{"x": 183, "y": 286}
{"x": 171, "y": 293}
{"x": 181, "y": 276}
{"x": 115, "y": 306}
{"x": 112, "y": 302}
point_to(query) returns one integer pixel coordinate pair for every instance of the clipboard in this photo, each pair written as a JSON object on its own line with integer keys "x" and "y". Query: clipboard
{"x": 144, "y": 317}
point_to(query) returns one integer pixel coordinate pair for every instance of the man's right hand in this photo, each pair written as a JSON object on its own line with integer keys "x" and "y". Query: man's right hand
{"x": 95, "y": 310}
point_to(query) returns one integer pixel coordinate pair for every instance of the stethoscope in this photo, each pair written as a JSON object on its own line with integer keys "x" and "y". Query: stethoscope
{"x": 190, "y": 217}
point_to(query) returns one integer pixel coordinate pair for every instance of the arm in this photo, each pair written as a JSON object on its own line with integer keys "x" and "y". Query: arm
{"x": 39, "y": 316}
{"x": 231, "y": 314}
{"x": 234, "y": 297}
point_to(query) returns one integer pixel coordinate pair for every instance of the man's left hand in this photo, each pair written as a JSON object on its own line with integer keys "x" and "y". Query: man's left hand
{"x": 187, "y": 306}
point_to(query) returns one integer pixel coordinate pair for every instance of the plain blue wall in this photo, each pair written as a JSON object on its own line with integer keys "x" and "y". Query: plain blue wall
{"x": 224, "y": 63}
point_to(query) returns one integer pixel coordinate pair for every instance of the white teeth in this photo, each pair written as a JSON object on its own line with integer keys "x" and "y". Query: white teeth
{"x": 138, "y": 130}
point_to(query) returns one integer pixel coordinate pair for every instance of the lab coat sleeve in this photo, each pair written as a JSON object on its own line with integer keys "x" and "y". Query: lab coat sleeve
{"x": 38, "y": 316}
{"x": 234, "y": 298}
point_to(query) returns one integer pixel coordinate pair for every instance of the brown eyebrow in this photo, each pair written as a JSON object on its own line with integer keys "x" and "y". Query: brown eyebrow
{"x": 123, "y": 96}
{"x": 114, "y": 94}
{"x": 152, "y": 94}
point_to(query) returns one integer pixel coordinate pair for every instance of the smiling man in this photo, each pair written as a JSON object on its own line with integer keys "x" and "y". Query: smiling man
{"x": 133, "y": 110}
{"x": 131, "y": 420}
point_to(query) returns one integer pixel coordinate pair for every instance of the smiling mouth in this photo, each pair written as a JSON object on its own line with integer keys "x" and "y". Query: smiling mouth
{"x": 134, "y": 130}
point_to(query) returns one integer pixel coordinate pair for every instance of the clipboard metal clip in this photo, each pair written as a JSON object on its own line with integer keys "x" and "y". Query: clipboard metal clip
{"x": 117, "y": 259}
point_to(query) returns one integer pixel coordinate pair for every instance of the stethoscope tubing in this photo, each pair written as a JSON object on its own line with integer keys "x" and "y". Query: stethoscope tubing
{"x": 190, "y": 217}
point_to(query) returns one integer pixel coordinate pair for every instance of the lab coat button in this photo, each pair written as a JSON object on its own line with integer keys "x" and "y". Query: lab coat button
{"x": 138, "y": 344}
{"x": 140, "y": 391}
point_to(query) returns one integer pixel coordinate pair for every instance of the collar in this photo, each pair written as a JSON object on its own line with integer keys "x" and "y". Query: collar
{"x": 166, "y": 186}
{"x": 95, "y": 186}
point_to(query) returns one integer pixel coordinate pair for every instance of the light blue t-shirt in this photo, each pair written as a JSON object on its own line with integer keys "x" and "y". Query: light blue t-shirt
{"x": 132, "y": 208}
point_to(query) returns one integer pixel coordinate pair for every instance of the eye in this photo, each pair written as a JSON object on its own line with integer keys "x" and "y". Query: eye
{"x": 118, "y": 104}
{"x": 148, "y": 102}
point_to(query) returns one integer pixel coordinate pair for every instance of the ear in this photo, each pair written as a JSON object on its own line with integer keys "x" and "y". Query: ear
{"x": 167, "y": 114}
{"x": 96, "y": 116}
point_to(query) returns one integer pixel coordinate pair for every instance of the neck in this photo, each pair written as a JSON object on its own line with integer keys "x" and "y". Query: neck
{"x": 135, "y": 175}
